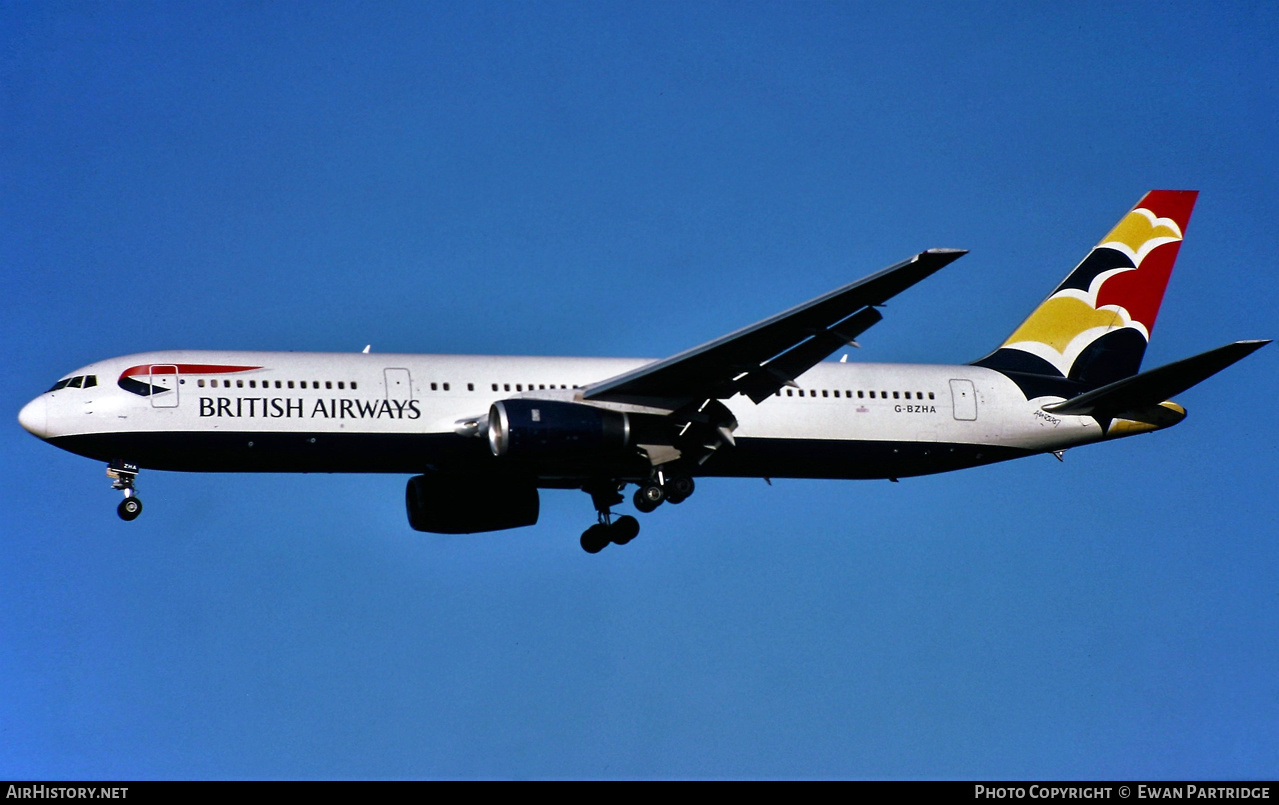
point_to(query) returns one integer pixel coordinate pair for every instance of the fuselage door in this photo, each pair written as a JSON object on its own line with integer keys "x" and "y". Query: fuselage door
{"x": 164, "y": 386}
{"x": 399, "y": 385}
{"x": 965, "y": 399}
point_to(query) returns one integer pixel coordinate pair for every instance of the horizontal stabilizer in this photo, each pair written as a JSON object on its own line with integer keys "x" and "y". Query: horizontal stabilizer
{"x": 1153, "y": 387}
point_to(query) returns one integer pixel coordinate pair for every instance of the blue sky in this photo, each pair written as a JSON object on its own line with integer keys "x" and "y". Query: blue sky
{"x": 634, "y": 179}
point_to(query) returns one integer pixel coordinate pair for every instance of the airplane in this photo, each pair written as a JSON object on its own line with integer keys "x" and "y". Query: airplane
{"x": 481, "y": 435}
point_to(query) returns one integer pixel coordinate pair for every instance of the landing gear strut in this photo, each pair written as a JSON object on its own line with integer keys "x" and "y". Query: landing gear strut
{"x": 122, "y": 477}
{"x": 605, "y": 495}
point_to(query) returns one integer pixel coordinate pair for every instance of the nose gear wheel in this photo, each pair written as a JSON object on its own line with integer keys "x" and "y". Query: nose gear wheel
{"x": 123, "y": 477}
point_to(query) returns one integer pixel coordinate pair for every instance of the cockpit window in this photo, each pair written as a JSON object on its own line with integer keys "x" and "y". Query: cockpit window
{"x": 77, "y": 382}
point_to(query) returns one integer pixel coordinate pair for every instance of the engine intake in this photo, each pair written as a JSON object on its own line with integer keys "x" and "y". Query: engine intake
{"x": 553, "y": 428}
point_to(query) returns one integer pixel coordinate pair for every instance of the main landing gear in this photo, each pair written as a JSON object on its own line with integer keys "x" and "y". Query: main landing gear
{"x": 621, "y": 531}
{"x": 122, "y": 477}
{"x": 663, "y": 489}
{"x": 607, "y": 494}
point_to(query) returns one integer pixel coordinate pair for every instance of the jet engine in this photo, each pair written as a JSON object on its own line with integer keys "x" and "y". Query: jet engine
{"x": 551, "y": 428}
{"x": 466, "y": 504}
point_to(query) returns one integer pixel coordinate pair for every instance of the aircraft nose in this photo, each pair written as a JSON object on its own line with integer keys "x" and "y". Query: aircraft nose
{"x": 34, "y": 417}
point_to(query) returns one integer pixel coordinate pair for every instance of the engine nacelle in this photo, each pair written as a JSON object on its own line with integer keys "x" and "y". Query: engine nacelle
{"x": 557, "y": 429}
{"x": 466, "y": 504}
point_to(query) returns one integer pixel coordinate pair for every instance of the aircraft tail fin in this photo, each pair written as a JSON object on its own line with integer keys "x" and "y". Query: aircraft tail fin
{"x": 1094, "y": 328}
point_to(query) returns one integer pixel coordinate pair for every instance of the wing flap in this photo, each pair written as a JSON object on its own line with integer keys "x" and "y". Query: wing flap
{"x": 783, "y": 369}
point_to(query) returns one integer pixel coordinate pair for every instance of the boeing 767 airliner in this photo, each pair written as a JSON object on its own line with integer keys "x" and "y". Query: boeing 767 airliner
{"x": 481, "y": 435}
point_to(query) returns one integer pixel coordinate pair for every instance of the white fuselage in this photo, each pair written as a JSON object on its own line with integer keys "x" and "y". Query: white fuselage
{"x": 248, "y": 411}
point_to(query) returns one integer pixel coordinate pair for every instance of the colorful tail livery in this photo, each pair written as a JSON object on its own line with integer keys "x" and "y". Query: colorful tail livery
{"x": 1095, "y": 326}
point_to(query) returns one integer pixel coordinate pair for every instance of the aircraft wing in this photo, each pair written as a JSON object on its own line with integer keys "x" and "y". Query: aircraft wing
{"x": 760, "y": 359}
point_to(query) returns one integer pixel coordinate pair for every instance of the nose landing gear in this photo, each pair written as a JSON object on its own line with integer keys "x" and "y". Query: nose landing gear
{"x": 122, "y": 477}
{"x": 129, "y": 508}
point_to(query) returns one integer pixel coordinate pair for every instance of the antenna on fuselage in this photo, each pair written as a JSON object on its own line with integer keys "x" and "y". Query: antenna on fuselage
{"x": 367, "y": 347}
